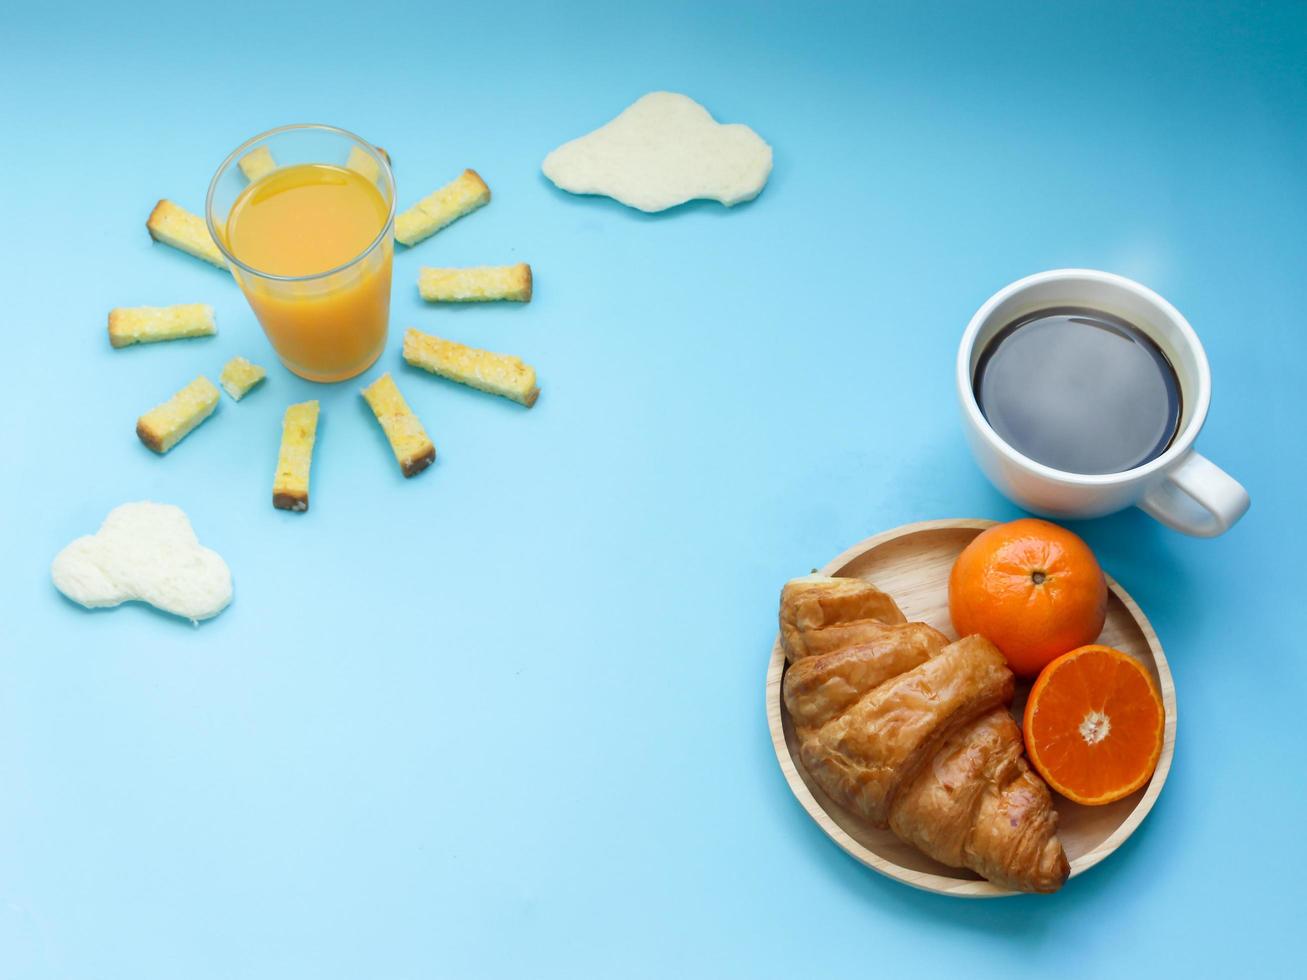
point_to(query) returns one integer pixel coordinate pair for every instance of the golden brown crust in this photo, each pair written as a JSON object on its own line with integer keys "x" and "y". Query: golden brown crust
{"x": 867, "y": 753}
{"x": 416, "y": 464}
{"x": 154, "y": 224}
{"x": 820, "y": 613}
{"x": 979, "y": 805}
{"x": 818, "y": 688}
{"x": 148, "y": 436}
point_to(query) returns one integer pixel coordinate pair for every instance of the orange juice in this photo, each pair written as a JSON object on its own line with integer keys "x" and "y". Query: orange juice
{"x": 323, "y": 303}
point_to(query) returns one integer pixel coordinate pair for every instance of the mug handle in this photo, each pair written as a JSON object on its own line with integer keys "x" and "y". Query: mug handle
{"x": 1197, "y": 497}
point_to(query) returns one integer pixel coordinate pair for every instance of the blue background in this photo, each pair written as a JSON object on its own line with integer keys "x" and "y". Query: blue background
{"x": 506, "y": 719}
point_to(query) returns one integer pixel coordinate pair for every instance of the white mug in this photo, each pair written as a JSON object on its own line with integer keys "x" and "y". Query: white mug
{"x": 1180, "y": 488}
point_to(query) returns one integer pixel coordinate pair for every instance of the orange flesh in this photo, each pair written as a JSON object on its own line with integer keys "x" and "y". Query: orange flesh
{"x": 1094, "y": 724}
{"x": 305, "y": 220}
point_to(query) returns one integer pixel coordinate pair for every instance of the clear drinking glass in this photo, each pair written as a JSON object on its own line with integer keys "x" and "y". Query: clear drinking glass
{"x": 331, "y": 324}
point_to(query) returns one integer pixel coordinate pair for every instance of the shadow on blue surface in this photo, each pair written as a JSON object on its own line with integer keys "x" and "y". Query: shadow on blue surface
{"x": 136, "y": 607}
{"x": 714, "y": 208}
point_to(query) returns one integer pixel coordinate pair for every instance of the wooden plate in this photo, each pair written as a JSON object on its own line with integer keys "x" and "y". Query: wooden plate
{"x": 912, "y": 564}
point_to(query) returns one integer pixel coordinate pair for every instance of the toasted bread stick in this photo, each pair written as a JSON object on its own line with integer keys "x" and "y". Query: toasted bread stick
{"x": 299, "y": 430}
{"x": 361, "y": 162}
{"x": 408, "y": 439}
{"x": 149, "y": 324}
{"x": 174, "y": 225}
{"x": 462, "y": 195}
{"x": 163, "y": 426}
{"x": 258, "y": 162}
{"x": 476, "y": 284}
{"x": 239, "y": 376}
{"x": 498, "y": 374}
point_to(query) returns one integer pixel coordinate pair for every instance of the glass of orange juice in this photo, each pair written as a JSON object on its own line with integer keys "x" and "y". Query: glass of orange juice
{"x": 305, "y": 216}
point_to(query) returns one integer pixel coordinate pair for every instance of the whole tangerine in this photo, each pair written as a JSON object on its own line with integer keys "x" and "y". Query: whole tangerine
{"x": 1031, "y": 588}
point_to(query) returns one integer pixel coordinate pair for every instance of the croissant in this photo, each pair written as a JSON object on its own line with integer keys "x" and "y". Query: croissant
{"x": 913, "y": 733}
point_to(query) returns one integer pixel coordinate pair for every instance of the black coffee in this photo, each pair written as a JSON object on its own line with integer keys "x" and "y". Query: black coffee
{"x": 1079, "y": 391}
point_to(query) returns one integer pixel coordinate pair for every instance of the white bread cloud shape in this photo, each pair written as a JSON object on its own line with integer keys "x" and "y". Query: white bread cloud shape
{"x": 663, "y": 150}
{"x": 145, "y": 551}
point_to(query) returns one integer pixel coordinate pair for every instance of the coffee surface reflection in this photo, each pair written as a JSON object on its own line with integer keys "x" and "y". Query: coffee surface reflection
{"x": 1078, "y": 390}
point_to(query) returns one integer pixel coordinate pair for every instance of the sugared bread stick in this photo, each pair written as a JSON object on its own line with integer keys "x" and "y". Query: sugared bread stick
{"x": 174, "y": 225}
{"x": 256, "y": 163}
{"x": 460, "y": 196}
{"x": 239, "y": 376}
{"x": 476, "y": 284}
{"x": 147, "y": 324}
{"x": 163, "y": 426}
{"x": 498, "y": 374}
{"x": 403, "y": 429}
{"x": 299, "y": 429}
{"x": 360, "y": 161}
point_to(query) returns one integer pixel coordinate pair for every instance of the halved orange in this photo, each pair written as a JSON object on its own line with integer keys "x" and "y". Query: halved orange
{"x": 1093, "y": 725}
